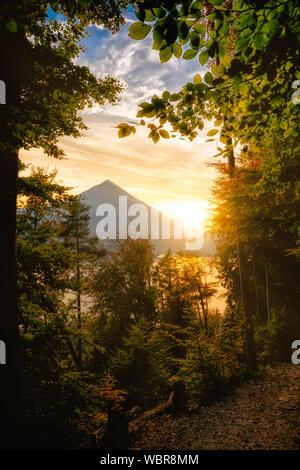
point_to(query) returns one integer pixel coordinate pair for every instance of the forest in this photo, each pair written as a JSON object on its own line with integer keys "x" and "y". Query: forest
{"x": 97, "y": 338}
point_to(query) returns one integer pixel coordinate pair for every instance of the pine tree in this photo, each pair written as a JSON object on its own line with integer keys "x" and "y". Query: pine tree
{"x": 76, "y": 235}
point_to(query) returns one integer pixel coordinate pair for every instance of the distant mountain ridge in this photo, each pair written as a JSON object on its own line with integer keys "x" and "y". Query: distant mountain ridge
{"x": 109, "y": 193}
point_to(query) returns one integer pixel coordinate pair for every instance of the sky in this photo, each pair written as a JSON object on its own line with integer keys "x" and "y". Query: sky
{"x": 159, "y": 174}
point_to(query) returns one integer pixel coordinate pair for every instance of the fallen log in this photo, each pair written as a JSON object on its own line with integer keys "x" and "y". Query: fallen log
{"x": 137, "y": 423}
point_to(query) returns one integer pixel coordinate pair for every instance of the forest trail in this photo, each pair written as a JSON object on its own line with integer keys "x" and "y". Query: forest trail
{"x": 261, "y": 414}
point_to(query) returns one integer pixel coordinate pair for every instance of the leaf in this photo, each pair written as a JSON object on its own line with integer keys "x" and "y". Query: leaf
{"x": 226, "y": 60}
{"x": 200, "y": 124}
{"x": 208, "y": 78}
{"x": 203, "y": 57}
{"x": 212, "y": 132}
{"x": 216, "y": 70}
{"x": 149, "y": 15}
{"x": 164, "y": 134}
{"x": 12, "y": 26}
{"x": 165, "y": 54}
{"x": 139, "y": 30}
{"x": 177, "y": 50}
{"x": 216, "y": 2}
{"x": 124, "y": 132}
{"x": 273, "y": 26}
{"x": 259, "y": 41}
{"x": 199, "y": 28}
{"x": 197, "y": 79}
{"x": 166, "y": 95}
{"x": 183, "y": 30}
{"x": 155, "y": 137}
{"x": 190, "y": 54}
{"x": 243, "y": 42}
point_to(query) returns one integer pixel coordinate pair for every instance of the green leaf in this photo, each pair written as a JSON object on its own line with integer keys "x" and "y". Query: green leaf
{"x": 203, "y": 57}
{"x": 259, "y": 41}
{"x": 139, "y": 30}
{"x": 183, "y": 30}
{"x": 165, "y": 54}
{"x": 273, "y": 26}
{"x": 216, "y": 2}
{"x": 149, "y": 15}
{"x": 199, "y": 28}
{"x": 243, "y": 42}
{"x": 177, "y": 50}
{"x": 190, "y": 54}
{"x": 208, "y": 78}
{"x": 12, "y": 26}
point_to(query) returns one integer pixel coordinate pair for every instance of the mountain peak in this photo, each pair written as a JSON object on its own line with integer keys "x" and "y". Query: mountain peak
{"x": 106, "y": 185}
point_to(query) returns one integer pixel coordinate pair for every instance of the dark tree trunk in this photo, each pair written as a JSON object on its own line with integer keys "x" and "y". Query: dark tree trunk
{"x": 244, "y": 283}
{"x": 117, "y": 430}
{"x": 246, "y": 305}
{"x": 179, "y": 399}
{"x": 79, "y": 323}
{"x": 11, "y": 60}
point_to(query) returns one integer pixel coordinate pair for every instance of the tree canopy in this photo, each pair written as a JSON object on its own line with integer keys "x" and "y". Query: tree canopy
{"x": 252, "y": 58}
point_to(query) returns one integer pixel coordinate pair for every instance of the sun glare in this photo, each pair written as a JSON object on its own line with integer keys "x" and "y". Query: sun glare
{"x": 193, "y": 214}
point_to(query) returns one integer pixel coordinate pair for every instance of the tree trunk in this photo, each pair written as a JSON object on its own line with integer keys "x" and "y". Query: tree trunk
{"x": 267, "y": 287}
{"x": 246, "y": 305}
{"x": 256, "y": 288}
{"x": 79, "y": 323}
{"x": 117, "y": 430}
{"x": 11, "y": 60}
{"x": 244, "y": 283}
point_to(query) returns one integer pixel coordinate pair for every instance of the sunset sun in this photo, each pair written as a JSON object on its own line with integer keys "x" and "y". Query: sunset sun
{"x": 193, "y": 213}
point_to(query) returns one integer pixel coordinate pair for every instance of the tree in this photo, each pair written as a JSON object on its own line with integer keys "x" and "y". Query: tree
{"x": 266, "y": 217}
{"x": 123, "y": 292}
{"x": 85, "y": 249}
{"x": 44, "y": 92}
{"x": 246, "y": 90}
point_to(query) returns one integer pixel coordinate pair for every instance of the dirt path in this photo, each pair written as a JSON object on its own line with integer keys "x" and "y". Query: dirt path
{"x": 262, "y": 414}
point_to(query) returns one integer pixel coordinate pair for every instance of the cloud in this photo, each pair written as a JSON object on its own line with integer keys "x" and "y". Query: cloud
{"x": 137, "y": 65}
{"x": 170, "y": 170}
